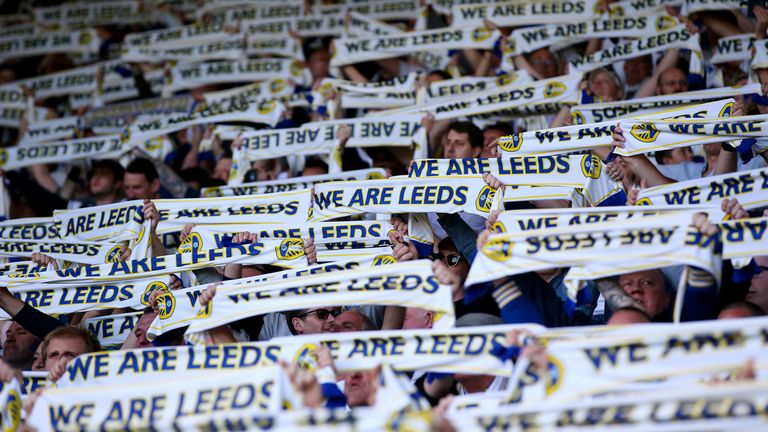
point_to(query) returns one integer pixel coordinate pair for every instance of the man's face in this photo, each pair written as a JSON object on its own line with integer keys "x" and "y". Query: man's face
{"x": 103, "y": 182}
{"x": 457, "y": 146}
{"x": 416, "y": 318}
{"x": 637, "y": 69}
{"x": 604, "y": 85}
{"x": 349, "y": 321}
{"x": 311, "y": 323}
{"x": 544, "y": 62}
{"x": 221, "y": 171}
{"x": 20, "y": 345}
{"x": 456, "y": 264}
{"x": 647, "y": 289}
{"x": 318, "y": 64}
{"x": 360, "y": 388}
{"x": 63, "y": 347}
{"x": 141, "y": 330}
{"x": 138, "y": 187}
{"x": 37, "y": 361}
{"x": 672, "y": 81}
{"x": 758, "y": 290}
{"x": 678, "y": 156}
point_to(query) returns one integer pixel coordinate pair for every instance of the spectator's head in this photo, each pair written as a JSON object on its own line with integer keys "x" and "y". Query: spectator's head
{"x": 450, "y": 255}
{"x": 141, "y": 180}
{"x": 140, "y": 331}
{"x": 671, "y": 81}
{"x": 493, "y": 132}
{"x": 221, "y": 170}
{"x": 7, "y": 75}
{"x": 674, "y": 156}
{"x": 637, "y": 69}
{"x": 544, "y": 63}
{"x": 360, "y": 387}
{"x": 37, "y": 362}
{"x": 67, "y": 342}
{"x": 106, "y": 178}
{"x": 417, "y": 318}
{"x": 606, "y": 85}
{"x": 740, "y": 309}
{"x": 463, "y": 140}
{"x": 648, "y": 289}
{"x": 318, "y": 59}
{"x": 314, "y": 166}
{"x": 264, "y": 170}
{"x": 20, "y": 346}
{"x": 628, "y": 315}
{"x": 758, "y": 289}
{"x": 313, "y": 321}
{"x": 353, "y": 320}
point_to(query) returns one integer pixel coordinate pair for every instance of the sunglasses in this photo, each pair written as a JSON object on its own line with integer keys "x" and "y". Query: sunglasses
{"x": 451, "y": 259}
{"x": 322, "y": 314}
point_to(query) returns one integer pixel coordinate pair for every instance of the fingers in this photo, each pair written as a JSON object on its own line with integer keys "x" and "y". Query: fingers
{"x": 618, "y": 137}
{"x": 208, "y": 294}
{"x": 445, "y": 276}
{"x": 493, "y": 217}
{"x": 175, "y": 282}
{"x": 125, "y": 253}
{"x": 401, "y": 250}
{"x": 482, "y": 239}
{"x": 310, "y": 250}
{"x": 186, "y": 231}
{"x": 58, "y": 370}
{"x": 492, "y": 181}
{"x": 399, "y": 225}
{"x": 615, "y": 172}
{"x": 702, "y": 223}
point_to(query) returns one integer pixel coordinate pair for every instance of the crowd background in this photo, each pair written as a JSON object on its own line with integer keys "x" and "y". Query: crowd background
{"x": 534, "y": 308}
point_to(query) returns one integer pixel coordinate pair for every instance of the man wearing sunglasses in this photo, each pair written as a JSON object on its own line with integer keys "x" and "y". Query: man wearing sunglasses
{"x": 458, "y": 265}
{"x": 313, "y": 321}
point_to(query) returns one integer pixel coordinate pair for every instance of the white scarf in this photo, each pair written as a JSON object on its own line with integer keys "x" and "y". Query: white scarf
{"x": 183, "y": 305}
{"x": 29, "y": 228}
{"x": 49, "y": 43}
{"x": 306, "y": 26}
{"x": 356, "y": 50}
{"x": 677, "y": 37}
{"x": 530, "y": 39}
{"x": 606, "y": 111}
{"x": 269, "y": 10}
{"x": 80, "y": 252}
{"x": 712, "y": 5}
{"x": 10, "y": 405}
{"x": 364, "y": 26}
{"x": 405, "y": 195}
{"x": 734, "y": 48}
{"x": 269, "y": 251}
{"x": 58, "y": 298}
{"x": 111, "y": 114}
{"x": 376, "y": 9}
{"x": 570, "y": 171}
{"x": 13, "y": 97}
{"x": 641, "y": 7}
{"x": 89, "y": 14}
{"x": 178, "y": 37}
{"x": 276, "y": 46}
{"x": 166, "y": 401}
{"x": 744, "y": 237}
{"x": 185, "y": 76}
{"x": 97, "y": 147}
{"x": 644, "y": 136}
{"x": 51, "y": 130}
{"x": 748, "y": 186}
{"x": 447, "y": 90}
{"x": 284, "y": 207}
{"x": 231, "y": 48}
{"x": 603, "y": 363}
{"x": 600, "y": 251}
{"x": 409, "y": 283}
{"x": 22, "y": 267}
{"x": 532, "y": 220}
{"x": 514, "y": 13}
{"x": 401, "y": 84}
{"x": 760, "y": 59}
{"x": 290, "y": 184}
{"x": 260, "y": 91}
{"x": 585, "y": 137}
{"x": 115, "y": 222}
{"x": 112, "y": 330}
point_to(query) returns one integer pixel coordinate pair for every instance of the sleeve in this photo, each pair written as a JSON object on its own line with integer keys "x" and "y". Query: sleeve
{"x": 36, "y": 322}
{"x": 516, "y": 308}
{"x": 700, "y": 298}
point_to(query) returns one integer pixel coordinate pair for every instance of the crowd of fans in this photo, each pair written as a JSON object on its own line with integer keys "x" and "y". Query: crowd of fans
{"x": 197, "y": 159}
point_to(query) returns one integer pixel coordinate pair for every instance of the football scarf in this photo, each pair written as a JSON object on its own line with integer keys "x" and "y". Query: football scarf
{"x": 51, "y": 130}
{"x": 744, "y": 237}
{"x": 29, "y": 229}
{"x": 112, "y": 330}
{"x": 65, "y": 298}
{"x": 97, "y": 147}
{"x": 178, "y": 37}
{"x": 513, "y": 13}
{"x": 748, "y": 186}
{"x": 409, "y": 283}
{"x": 115, "y": 222}
{"x": 291, "y": 184}
{"x": 231, "y": 48}
{"x": 405, "y": 195}
{"x": 89, "y": 14}
{"x": 74, "y": 252}
{"x": 257, "y": 92}
{"x": 83, "y": 41}
{"x": 185, "y": 76}
{"x": 735, "y": 48}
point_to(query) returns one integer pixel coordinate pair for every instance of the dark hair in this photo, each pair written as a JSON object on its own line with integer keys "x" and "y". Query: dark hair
{"x": 753, "y": 309}
{"x": 473, "y": 132}
{"x": 289, "y": 316}
{"x": 315, "y": 162}
{"x": 143, "y": 166}
{"x": 506, "y": 128}
{"x": 111, "y": 165}
{"x": 660, "y": 155}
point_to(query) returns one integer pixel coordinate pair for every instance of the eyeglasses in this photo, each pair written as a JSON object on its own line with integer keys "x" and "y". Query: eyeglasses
{"x": 322, "y": 314}
{"x": 451, "y": 259}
